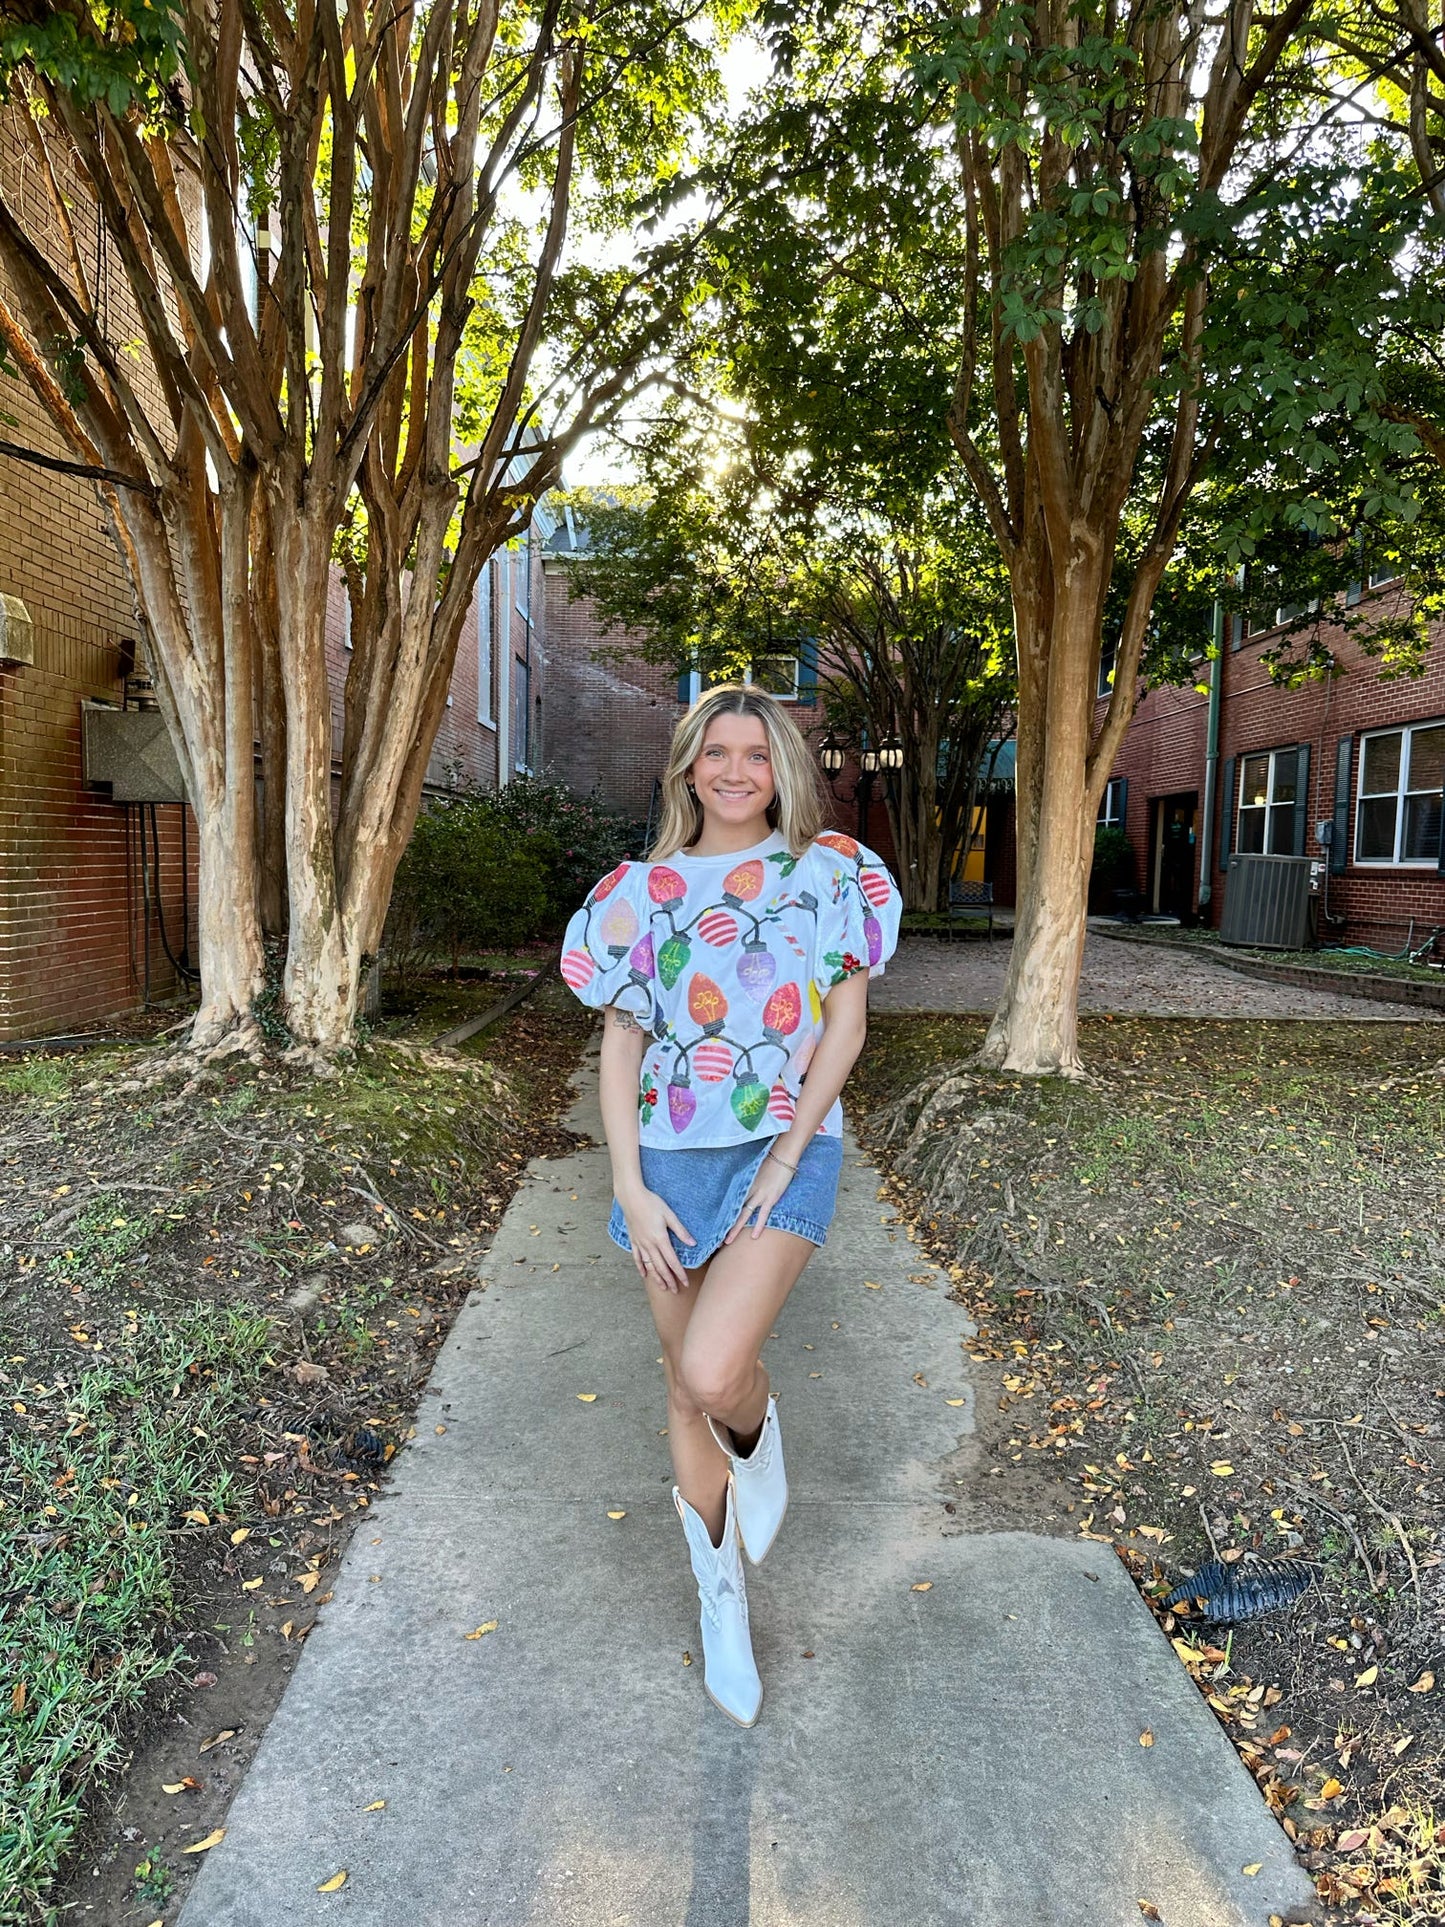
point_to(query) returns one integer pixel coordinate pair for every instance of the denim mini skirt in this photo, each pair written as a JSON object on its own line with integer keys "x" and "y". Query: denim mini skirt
{"x": 708, "y": 1186}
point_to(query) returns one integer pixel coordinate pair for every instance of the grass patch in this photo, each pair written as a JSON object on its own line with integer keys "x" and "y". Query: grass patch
{"x": 1207, "y": 1287}
{"x": 101, "y": 1474}
{"x": 221, "y": 1292}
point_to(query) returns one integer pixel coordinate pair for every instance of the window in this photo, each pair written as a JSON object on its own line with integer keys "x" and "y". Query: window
{"x": 484, "y": 646}
{"x": 779, "y": 675}
{"x": 1267, "y": 795}
{"x": 345, "y": 615}
{"x": 522, "y": 578}
{"x": 521, "y": 714}
{"x": 1398, "y": 815}
{"x": 1108, "y": 648}
{"x": 1111, "y": 803}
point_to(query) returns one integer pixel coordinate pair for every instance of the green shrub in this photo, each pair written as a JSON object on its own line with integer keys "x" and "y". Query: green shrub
{"x": 575, "y": 838}
{"x": 467, "y": 881}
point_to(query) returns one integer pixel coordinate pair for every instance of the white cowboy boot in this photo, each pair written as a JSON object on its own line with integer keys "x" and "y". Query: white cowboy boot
{"x": 730, "y": 1674}
{"x": 762, "y": 1484}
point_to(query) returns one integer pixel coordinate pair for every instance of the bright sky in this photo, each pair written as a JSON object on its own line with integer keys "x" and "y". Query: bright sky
{"x": 597, "y": 460}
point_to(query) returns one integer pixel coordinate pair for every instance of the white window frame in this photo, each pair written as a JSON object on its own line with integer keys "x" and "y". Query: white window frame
{"x": 1406, "y": 732}
{"x": 1111, "y": 815}
{"x": 521, "y": 695}
{"x": 523, "y": 584}
{"x": 485, "y": 641}
{"x": 782, "y": 695}
{"x": 1271, "y": 803}
{"x": 345, "y": 615}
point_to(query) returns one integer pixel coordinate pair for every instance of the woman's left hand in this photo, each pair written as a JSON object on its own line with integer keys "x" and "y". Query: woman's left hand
{"x": 768, "y": 1186}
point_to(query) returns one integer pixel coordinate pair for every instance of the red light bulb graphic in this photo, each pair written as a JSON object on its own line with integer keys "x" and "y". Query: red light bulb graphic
{"x": 781, "y": 1013}
{"x": 664, "y": 885}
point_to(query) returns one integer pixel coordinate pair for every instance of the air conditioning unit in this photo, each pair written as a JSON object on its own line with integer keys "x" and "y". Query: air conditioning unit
{"x": 130, "y": 752}
{"x": 1268, "y": 904}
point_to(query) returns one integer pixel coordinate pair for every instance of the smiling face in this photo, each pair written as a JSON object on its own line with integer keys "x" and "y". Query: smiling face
{"x": 733, "y": 775}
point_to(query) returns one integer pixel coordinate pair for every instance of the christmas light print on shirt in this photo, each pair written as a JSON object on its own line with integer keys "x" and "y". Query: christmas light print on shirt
{"x": 727, "y": 965}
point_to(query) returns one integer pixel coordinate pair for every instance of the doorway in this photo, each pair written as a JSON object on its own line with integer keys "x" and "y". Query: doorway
{"x": 1175, "y": 834}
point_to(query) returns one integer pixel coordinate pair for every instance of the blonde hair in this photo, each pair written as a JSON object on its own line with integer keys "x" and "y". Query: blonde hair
{"x": 799, "y": 809}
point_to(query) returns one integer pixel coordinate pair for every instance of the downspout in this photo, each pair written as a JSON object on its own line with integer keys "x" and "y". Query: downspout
{"x": 1211, "y": 761}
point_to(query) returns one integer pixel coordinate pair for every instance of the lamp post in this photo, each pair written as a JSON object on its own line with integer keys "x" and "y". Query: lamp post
{"x": 831, "y": 758}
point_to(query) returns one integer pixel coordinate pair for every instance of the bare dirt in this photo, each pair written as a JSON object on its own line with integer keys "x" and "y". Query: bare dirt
{"x": 1207, "y": 1285}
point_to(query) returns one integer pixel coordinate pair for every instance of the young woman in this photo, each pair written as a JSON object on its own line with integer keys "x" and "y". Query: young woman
{"x": 733, "y": 969}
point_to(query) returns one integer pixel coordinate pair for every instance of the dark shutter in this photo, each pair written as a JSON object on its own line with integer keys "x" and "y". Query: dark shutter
{"x": 684, "y": 684}
{"x": 1302, "y": 799}
{"x": 1340, "y": 847}
{"x": 808, "y": 670}
{"x": 1226, "y": 812}
{"x": 1123, "y": 783}
{"x": 1440, "y": 864}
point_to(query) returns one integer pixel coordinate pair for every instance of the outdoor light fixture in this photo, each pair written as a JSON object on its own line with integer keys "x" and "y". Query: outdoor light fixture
{"x": 890, "y": 756}
{"x": 831, "y": 755}
{"x": 869, "y": 762}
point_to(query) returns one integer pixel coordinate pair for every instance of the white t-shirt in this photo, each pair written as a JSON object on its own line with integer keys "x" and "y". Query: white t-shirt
{"x": 726, "y": 960}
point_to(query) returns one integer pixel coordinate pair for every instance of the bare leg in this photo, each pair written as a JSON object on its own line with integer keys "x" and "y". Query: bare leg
{"x": 700, "y": 1468}
{"x": 744, "y": 1287}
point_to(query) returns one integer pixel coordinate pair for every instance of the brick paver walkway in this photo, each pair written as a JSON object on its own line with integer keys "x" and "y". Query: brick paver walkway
{"x": 1126, "y": 978}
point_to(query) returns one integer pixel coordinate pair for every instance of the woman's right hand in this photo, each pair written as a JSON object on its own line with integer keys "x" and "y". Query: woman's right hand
{"x": 649, "y": 1218}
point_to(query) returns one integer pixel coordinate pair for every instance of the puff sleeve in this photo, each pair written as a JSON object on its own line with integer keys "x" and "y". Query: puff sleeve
{"x": 607, "y": 953}
{"x": 858, "y": 913}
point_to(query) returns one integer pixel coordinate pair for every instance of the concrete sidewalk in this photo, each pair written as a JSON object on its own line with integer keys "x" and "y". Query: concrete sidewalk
{"x": 967, "y": 1753}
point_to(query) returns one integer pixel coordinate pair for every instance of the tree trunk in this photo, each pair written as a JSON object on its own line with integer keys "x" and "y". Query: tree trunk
{"x": 1035, "y": 1027}
{"x": 320, "y": 984}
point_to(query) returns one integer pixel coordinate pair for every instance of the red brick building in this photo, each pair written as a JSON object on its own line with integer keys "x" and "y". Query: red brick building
{"x": 1348, "y": 770}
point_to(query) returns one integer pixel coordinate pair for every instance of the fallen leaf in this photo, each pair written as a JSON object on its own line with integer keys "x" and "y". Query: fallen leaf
{"x": 868, "y": 1285}
{"x": 1368, "y": 1677}
{"x": 489, "y": 1627}
{"x": 687, "y": 1659}
{"x": 17, "y": 1697}
{"x": 1253, "y": 1868}
{"x": 1424, "y": 1684}
{"x": 1148, "y": 1910}
{"x": 1356, "y": 1837}
{"x": 197, "y": 1518}
{"x": 919, "y": 1379}
{"x": 250, "y": 1585}
{"x": 1332, "y": 1789}
{"x": 211, "y": 1840}
{"x": 1146, "y": 1738}
{"x": 953, "y": 1401}
{"x": 617, "y": 1515}
{"x": 1222, "y": 1469}
{"x": 588, "y": 1398}
{"x": 309, "y": 1581}
{"x": 1400, "y": 1745}
{"x": 375, "y": 1807}
{"x": 924, "y": 1585}
{"x": 336, "y": 1881}
{"x": 226, "y": 1733}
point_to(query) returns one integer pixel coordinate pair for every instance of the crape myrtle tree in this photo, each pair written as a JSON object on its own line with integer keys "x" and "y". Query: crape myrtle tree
{"x": 709, "y": 565}
{"x": 344, "y": 229}
{"x": 1105, "y": 192}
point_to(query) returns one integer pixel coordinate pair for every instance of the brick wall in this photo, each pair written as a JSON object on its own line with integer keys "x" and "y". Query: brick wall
{"x": 72, "y": 933}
